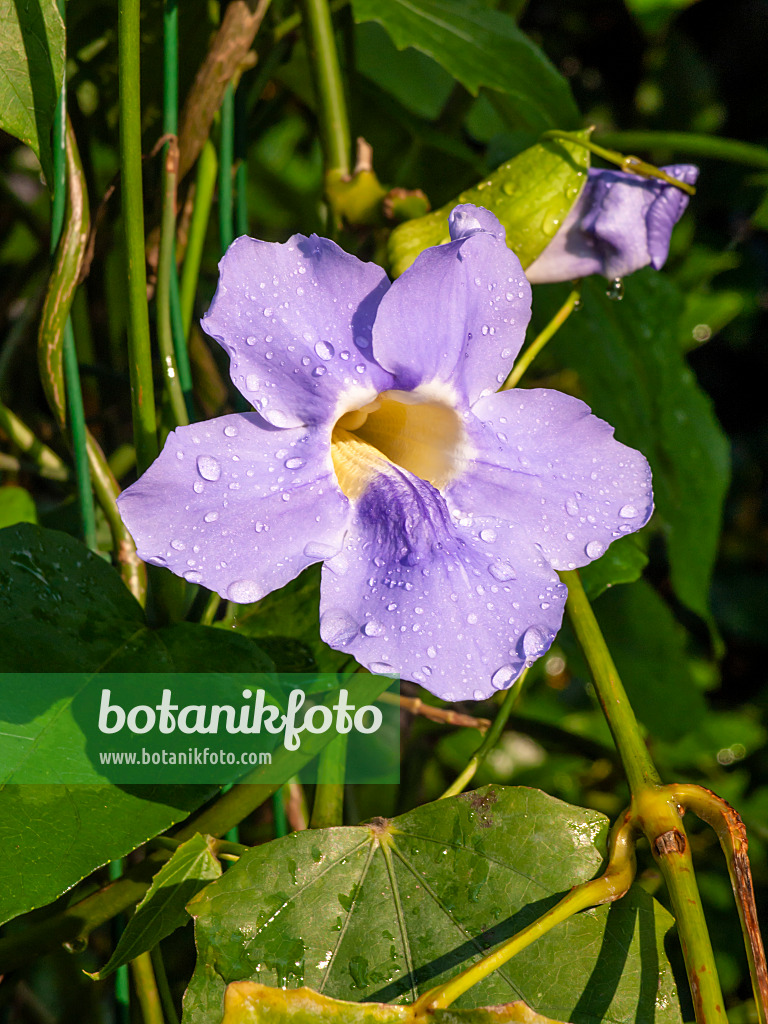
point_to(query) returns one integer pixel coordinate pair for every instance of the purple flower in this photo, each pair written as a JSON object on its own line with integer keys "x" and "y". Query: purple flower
{"x": 619, "y": 223}
{"x": 378, "y": 445}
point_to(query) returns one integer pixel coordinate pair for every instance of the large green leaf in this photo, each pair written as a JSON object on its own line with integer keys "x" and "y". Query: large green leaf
{"x": 383, "y": 911}
{"x": 479, "y": 47}
{"x": 632, "y": 373}
{"x": 530, "y": 194}
{"x": 63, "y": 609}
{"x": 16, "y": 506}
{"x": 192, "y": 866}
{"x": 31, "y": 72}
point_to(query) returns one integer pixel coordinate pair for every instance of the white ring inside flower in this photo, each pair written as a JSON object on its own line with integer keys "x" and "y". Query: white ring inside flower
{"x": 419, "y": 434}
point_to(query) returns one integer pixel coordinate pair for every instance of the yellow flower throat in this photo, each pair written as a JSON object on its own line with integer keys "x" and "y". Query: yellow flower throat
{"x": 397, "y": 427}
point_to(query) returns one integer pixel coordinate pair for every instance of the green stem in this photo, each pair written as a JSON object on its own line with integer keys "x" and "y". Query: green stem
{"x": 226, "y": 160}
{"x": 161, "y": 977}
{"x": 328, "y": 808}
{"x": 654, "y": 808}
{"x": 241, "y": 160}
{"x": 329, "y": 88}
{"x": 640, "y": 770}
{"x": 48, "y": 463}
{"x": 146, "y": 989}
{"x": 198, "y": 227}
{"x": 165, "y": 262}
{"x": 139, "y": 348}
{"x": 538, "y": 343}
{"x": 121, "y": 985}
{"x": 630, "y": 164}
{"x": 491, "y": 738}
{"x": 279, "y": 815}
{"x": 293, "y": 21}
{"x": 610, "y": 886}
{"x": 79, "y": 438}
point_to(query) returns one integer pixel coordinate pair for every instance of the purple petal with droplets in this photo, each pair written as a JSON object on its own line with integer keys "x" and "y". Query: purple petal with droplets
{"x": 296, "y": 320}
{"x": 466, "y": 220}
{"x": 546, "y": 464}
{"x": 457, "y": 315}
{"x": 620, "y": 223}
{"x": 238, "y": 505}
{"x": 457, "y": 603}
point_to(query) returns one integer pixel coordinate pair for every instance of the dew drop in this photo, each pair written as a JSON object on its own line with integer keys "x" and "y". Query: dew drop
{"x": 628, "y": 512}
{"x": 502, "y": 571}
{"x": 337, "y": 628}
{"x": 208, "y": 467}
{"x": 178, "y": 545}
{"x": 594, "y": 549}
{"x": 252, "y": 382}
{"x": 243, "y": 591}
{"x": 571, "y": 506}
{"x": 615, "y": 290}
{"x": 193, "y": 576}
{"x": 380, "y": 666}
{"x": 324, "y": 349}
{"x": 488, "y": 535}
{"x": 318, "y": 371}
{"x": 294, "y": 463}
{"x": 535, "y": 641}
{"x": 250, "y": 340}
{"x": 373, "y": 628}
{"x": 477, "y": 694}
{"x": 276, "y": 417}
{"x": 230, "y": 431}
{"x": 503, "y": 677}
{"x": 314, "y": 549}
{"x": 211, "y": 517}
{"x": 259, "y": 527}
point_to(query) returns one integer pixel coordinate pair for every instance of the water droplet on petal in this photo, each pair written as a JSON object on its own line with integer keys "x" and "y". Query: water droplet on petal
{"x": 337, "y": 628}
{"x": 230, "y": 431}
{"x": 193, "y": 576}
{"x": 571, "y": 506}
{"x": 258, "y": 527}
{"x": 628, "y": 512}
{"x": 478, "y": 694}
{"x": 276, "y": 417}
{"x": 243, "y": 591}
{"x": 178, "y": 545}
{"x": 211, "y": 517}
{"x": 294, "y": 463}
{"x": 503, "y": 677}
{"x": 502, "y": 571}
{"x": 252, "y": 382}
{"x": 314, "y": 549}
{"x": 489, "y": 536}
{"x": 535, "y": 641}
{"x": 381, "y": 666}
{"x": 208, "y": 467}
{"x": 594, "y": 549}
{"x": 318, "y": 371}
{"x": 373, "y": 628}
{"x": 324, "y": 349}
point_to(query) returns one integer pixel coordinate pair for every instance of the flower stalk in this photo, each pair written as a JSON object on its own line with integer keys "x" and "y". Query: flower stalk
{"x": 527, "y": 357}
{"x": 654, "y": 807}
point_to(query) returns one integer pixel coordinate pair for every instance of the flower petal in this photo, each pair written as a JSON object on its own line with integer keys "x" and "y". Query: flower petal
{"x": 458, "y": 315}
{"x": 238, "y": 505}
{"x": 296, "y": 321}
{"x": 457, "y": 604}
{"x": 620, "y": 223}
{"x": 546, "y": 464}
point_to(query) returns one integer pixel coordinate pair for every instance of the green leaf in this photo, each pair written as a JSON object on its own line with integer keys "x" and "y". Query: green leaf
{"x": 632, "y": 373}
{"x": 192, "y": 866}
{"x": 623, "y": 562}
{"x": 31, "y": 73}
{"x": 479, "y": 47}
{"x": 63, "y": 609}
{"x": 383, "y": 911}
{"x": 247, "y": 1002}
{"x": 16, "y": 506}
{"x": 530, "y": 194}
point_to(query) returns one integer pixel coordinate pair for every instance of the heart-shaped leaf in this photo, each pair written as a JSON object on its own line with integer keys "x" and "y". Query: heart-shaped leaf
{"x": 386, "y": 911}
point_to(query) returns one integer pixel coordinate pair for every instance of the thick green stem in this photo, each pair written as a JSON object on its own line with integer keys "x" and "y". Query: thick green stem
{"x": 538, "y": 343}
{"x": 165, "y": 262}
{"x": 226, "y": 160}
{"x": 491, "y": 738}
{"x": 329, "y": 88}
{"x": 328, "y": 808}
{"x": 47, "y": 462}
{"x": 79, "y": 437}
{"x": 146, "y": 989}
{"x": 139, "y": 348}
{"x": 201, "y": 212}
{"x": 654, "y": 808}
